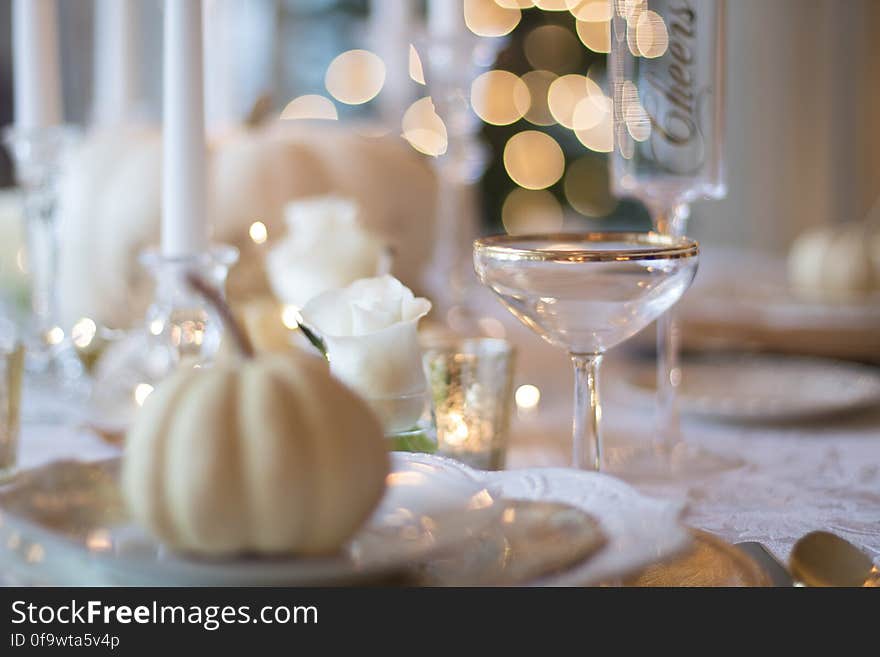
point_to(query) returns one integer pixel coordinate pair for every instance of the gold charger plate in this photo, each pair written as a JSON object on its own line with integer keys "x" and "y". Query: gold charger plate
{"x": 710, "y": 562}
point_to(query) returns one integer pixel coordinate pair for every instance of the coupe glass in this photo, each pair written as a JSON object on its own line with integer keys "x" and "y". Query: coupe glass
{"x": 587, "y": 293}
{"x": 667, "y": 74}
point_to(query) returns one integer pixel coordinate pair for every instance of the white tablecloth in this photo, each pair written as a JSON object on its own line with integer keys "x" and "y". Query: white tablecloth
{"x": 795, "y": 479}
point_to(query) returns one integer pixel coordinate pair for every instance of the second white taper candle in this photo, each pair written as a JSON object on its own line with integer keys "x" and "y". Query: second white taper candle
{"x": 36, "y": 78}
{"x": 184, "y": 216}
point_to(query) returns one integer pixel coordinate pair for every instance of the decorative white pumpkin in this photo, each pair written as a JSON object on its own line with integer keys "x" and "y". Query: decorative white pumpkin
{"x": 110, "y": 206}
{"x": 265, "y": 455}
{"x": 835, "y": 263}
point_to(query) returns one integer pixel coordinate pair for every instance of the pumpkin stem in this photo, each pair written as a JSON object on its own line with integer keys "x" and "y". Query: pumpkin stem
{"x": 215, "y": 299}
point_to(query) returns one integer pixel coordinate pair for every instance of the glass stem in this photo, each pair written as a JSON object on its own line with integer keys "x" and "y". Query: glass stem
{"x": 586, "y": 441}
{"x": 669, "y": 221}
{"x": 42, "y": 252}
{"x": 453, "y": 244}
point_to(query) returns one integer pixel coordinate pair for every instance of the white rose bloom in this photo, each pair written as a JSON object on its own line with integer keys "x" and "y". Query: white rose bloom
{"x": 325, "y": 248}
{"x": 370, "y": 331}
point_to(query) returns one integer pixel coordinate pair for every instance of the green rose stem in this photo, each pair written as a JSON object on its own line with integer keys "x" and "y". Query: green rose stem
{"x": 218, "y": 303}
{"x": 314, "y": 338}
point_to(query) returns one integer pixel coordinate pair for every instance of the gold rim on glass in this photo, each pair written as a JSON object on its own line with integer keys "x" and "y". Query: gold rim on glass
{"x": 646, "y": 246}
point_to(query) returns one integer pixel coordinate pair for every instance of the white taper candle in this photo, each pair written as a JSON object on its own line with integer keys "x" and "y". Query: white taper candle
{"x": 116, "y": 61}
{"x": 184, "y": 217}
{"x": 37, "y": 82}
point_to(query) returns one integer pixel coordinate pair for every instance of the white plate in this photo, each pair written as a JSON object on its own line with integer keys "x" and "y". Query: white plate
{"x": 639, "y": 530}
{"x": 764, "y": 388}
{"x": 64, "y": 524}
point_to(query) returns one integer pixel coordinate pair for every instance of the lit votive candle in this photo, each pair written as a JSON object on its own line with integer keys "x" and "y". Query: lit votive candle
{"x": 471, "y": 391}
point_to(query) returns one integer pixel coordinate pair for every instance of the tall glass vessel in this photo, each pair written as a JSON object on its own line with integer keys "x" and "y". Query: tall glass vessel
{"x": 667, "y": 72}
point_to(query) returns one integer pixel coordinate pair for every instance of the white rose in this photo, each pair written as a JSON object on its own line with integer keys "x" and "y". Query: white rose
{"x": 370, "y": 332}
{"x": 325, "y": 248}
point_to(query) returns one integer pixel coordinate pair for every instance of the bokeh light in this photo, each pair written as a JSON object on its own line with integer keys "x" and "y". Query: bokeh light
{"x": 310, "y": 106}
{"x": 54, "y": 335}
{"x": 533, "y": 159}
{"x": 590, "y": 10}
{"x": 591, "y": 111}
{"x": 554, "y": 48}
{"x": 636, "y": 119}
{"x": 638, "y": 123}
{"x": 552, "y": 5}
{"x": 290, "y": 317}
{"x": 258, "y": 232}
{"x": 587, "y": 188}
{"x": 500, "y": 97}
{"x": 538, "y": 83}
{"x": 527, "y": 396}
{"x": 424, "y": 129}
{"x": 652, "y": 38}
{"x": 631, "y": 9}
{"x": 600, "y": 137}
{"x": 355, "y": 77}
{"x": 564, "y": 95}
{"x": 595, "y": 36}
{"x": 515, "y": 4}
{"x": 416, "y": 71}
{"x": 488, "y": 18}
{"x": 531, "y": 211}
{"x": 83, "y": 332}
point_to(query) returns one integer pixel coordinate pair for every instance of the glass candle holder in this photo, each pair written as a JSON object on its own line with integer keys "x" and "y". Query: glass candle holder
{"x": 52, "y": 363}
{"x": 471, "y": 384}
{"x": 180, "y": 328}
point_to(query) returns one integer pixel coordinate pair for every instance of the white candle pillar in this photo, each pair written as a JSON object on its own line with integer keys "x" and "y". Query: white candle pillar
{"x": 116, "y": 61}
{"x": 37, "y": 82}
{"x": 445, "y": 18}
{"x": 184, "y": 218}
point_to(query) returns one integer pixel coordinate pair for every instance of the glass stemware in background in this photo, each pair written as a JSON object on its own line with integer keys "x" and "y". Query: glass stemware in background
{"x": 587, "y": 293}
{"x": 52, "y": 361}
{"x": 453, "y": 60}
{"x": 667, "y": 74}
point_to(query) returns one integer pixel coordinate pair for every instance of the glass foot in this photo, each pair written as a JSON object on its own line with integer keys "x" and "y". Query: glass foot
{"x": 659, "y": 463}
{"x": 56, "y": 383}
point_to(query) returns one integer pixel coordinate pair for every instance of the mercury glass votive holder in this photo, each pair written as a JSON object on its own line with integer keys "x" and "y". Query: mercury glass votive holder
{"x": 471, "y": 385}
{"x": 11, "y": 369}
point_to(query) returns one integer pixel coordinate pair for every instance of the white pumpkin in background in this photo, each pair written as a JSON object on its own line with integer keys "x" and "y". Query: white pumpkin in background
{"x": 841, "y": 263}
{"x": 108, "y": 198}
{"x": 110, "y": 206}
{"x": 267, "y": 455}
